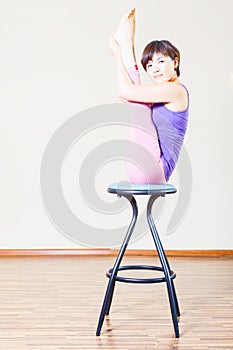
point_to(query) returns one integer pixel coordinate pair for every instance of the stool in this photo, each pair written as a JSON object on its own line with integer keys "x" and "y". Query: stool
{"x": 128, "y": 191}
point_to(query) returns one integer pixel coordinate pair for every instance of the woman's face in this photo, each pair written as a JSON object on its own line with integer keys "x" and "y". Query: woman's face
{"x": 161, "y": 68}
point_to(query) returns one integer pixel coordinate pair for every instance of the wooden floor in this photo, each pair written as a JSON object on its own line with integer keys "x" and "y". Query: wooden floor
{"x": 54, "y": 303}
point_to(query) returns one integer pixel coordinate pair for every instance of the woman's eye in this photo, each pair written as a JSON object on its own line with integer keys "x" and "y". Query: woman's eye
{"x": 149, "y": 65}
{"x": 161, "y": 61}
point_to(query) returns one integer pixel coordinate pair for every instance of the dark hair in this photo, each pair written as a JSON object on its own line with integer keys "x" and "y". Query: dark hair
{"x": 160, "y": 46}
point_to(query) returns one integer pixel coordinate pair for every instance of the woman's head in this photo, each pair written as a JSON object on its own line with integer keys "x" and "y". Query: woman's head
{"x": 158, "y": 51}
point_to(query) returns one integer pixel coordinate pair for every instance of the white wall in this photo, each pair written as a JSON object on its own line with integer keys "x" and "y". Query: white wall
{"x": 55, "y": 63}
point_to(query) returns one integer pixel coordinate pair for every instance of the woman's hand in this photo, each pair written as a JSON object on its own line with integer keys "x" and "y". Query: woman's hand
{"x": 114, "y": 47}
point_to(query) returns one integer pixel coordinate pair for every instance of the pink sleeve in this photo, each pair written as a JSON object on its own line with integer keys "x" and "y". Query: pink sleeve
{"x": 134, "y": 74}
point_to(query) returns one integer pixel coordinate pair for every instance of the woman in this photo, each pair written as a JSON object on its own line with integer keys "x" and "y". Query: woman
{"x": 161, "y": 106}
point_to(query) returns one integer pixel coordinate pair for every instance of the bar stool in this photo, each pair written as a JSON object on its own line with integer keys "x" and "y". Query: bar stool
{"x": 128, "y": 191}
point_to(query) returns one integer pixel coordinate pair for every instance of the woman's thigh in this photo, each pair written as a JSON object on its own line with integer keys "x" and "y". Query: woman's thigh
{"x": 144, "y": 164}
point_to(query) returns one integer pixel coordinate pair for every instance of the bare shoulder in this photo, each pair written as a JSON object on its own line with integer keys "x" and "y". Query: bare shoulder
{"x": 180, "y": 103}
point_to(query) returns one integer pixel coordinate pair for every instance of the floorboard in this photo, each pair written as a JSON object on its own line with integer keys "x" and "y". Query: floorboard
{"x": 50, "y": 303}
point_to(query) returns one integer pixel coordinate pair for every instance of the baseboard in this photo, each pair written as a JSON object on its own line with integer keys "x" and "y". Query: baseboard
{"x": 111, "y": 252}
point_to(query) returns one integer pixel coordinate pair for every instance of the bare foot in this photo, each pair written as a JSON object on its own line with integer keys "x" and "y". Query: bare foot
{"x": 126, "y": 30}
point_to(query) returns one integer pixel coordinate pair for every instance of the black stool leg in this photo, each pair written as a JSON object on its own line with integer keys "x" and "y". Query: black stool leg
{"x": 161, "y": 248}
{"x": 111, "y": 284}
{"x": 176, "y": 300}
{"x": 166, "y": 268}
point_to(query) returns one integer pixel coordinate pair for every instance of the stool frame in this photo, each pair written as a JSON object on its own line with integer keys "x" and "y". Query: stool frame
{"x": 169, "y": 275}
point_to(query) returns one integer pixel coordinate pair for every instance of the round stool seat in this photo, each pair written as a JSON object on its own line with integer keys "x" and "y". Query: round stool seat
{"x": 143, "y": 189}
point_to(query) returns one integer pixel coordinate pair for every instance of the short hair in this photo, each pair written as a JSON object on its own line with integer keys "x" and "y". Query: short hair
{"x": 160, "y": 46}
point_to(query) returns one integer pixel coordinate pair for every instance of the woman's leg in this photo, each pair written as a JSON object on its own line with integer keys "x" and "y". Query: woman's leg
{"x": 144, "y": 164}
{"x": 125, "y": 35}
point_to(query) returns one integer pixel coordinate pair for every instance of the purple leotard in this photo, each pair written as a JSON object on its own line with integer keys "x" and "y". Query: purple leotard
{"x": 171, "y": 128}
{"x": 163, "y": 139}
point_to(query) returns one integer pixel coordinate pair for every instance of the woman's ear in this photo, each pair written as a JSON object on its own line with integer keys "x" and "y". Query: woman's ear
{"x": 176, "y": 62}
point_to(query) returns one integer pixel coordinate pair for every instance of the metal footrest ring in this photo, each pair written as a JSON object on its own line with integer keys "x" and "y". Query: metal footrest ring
{"x": 140, "y": 280}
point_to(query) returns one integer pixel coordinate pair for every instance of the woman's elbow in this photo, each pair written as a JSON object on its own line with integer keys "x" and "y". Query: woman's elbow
{"x": 122, "y": 95}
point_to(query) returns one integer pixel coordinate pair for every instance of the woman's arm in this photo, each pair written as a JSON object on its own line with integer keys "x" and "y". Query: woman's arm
{"x": 129, "y": 87}
{"x": 162, "y": 92}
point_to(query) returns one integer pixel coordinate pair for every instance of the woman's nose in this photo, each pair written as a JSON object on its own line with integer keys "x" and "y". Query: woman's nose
{"x": 155, "y": 68}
